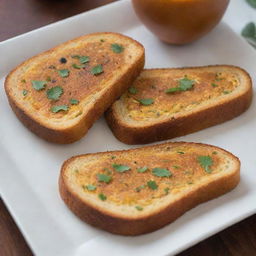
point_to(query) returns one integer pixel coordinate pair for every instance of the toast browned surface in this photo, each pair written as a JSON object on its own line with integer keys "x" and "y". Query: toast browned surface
{"x": 60, "y": 93}
{"x": 167, "y": 103}
{"x": 140, "y": 190}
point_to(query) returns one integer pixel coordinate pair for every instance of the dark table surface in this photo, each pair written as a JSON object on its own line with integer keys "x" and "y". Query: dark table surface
{"x": 19, "y": 16}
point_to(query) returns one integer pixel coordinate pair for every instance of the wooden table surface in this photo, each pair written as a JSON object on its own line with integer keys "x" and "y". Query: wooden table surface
{"x": 19, "y": 16}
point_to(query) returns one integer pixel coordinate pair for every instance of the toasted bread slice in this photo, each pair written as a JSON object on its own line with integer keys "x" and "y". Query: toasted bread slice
{"x": 59, "y": 94}
{"x": 166, "y": 103}
{"x": 140, "y": 190}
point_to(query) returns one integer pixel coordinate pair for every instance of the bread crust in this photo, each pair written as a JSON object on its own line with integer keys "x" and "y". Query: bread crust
{"x": 183, "y": 125}
{"x": 149, "y": 223}
{"x": 76, "y": 132}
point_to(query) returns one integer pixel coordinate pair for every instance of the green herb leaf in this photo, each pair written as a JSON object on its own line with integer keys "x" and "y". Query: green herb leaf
{"x": 97, "y": 70}
{"x": 139, "y": 208}
{"x": 132, "y": 90}
{"x": 152, "y": 184}
{"x": 249, "y": 32}
{"x": 121, "y": 168}
{"x": 84, "y": 59}
{"x": 54, "y": 93}
{"x": 24, "y": 92}
{"x": 39, "y": 85}
{"x": 161, "y": 172}
{"x": 226, "y": 92}
{"x": 73, "y": 101}
{"x": 138, "y": 189}
{"x": 117, "y": 48}
{"x": 252, "y": 3}
{"x": 166, "y": 190}
{"x": 56, "y": 109}
{"x": 205, "y": 162}
{"x": 64, "y": 72}
{"x": 23, "y": 81}
{"x": 102, "y": 197}
{"x": 181, "y": 152}
{"x": 171, "y": 90}
{"x": 176, "y": 166}
{"x": 214, "y": 152}
{"x": 90, "y": 187}
{"x": 214, "y": 85}
{"x": 113, "y": 157}
{"x": 104, "y": 178}
{"x": 186, "y": 84}
{"x": 146, "y": 102}
{"x": 78, "y": 66}
{"x": 142, "y": 169}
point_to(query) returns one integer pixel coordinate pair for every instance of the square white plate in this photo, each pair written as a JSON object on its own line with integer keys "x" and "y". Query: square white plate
{"x": 30, "y": 166}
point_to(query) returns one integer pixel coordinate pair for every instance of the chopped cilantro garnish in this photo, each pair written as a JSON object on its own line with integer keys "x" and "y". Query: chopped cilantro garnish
{"x": 139, "y": 208}
{"x": 78, "y": 66}
{"x": 214, "y": 85}
{"x": 161, "y": 172}
{"x": 132, "y": 90}
{"x": 56, "y": 109}
{"x": 181, "y": 152}
{"x": 138, "y": 189}
{"x": 39, "y": 85}
{"x": 226, "y": 92}
{"x": 184, "y": 85}
{"x": 84, "y": 59}
{"x": 117, "y": 48}
{"x": 166, "y": 190}
{"x": 146, "y": 102}
{"x": 64, "y": 72}
{"x": 75, "y": 56}
{"x": 102, "y": 197}
{"x": 24, "y": 92}
{"x": 252, "y": 3}
{"x": 152, "y": 185}
{"x": 121, "y": 168}
{"x": 215, "y": 152}
{"x": 205, "y": 162}
{"x": 104, "y": 178}
{"x": 23, "y": 81}
{"x": 171, "y": 90}
{"x": 113, "y": 157}
{"x": 97, "y": 70}
{"x": 142, "y": 169}
{"x": 54, "y": 93}
{"x": 102, "y": 40}
{"x": 73, "y": 101}
{"x": 90, "y": 187}
{"x": 176, "y": 166}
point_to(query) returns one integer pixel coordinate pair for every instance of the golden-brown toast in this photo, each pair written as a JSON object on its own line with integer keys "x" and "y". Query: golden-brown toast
{"x": 166, "y": 103}
{"x": 140, "y": 190}
{"x": 59, "y": 94}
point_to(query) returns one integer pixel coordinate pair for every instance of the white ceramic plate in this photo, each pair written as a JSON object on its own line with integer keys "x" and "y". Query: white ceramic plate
{"x": 30, "y": 166}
